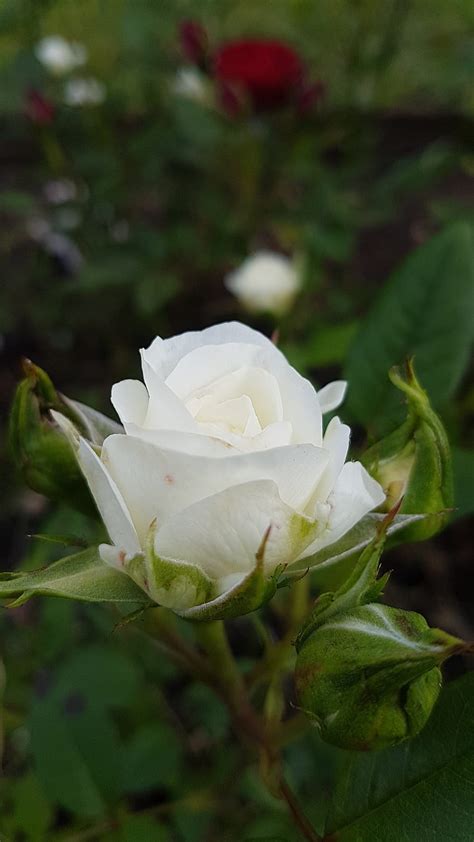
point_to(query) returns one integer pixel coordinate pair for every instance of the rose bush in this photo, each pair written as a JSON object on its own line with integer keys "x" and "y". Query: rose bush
{"x": 223, "y": 455}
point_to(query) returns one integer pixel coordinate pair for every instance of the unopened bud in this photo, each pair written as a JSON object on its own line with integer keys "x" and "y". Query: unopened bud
{"x": 413, "y": 464}
{"x": 369, "y": 677}
{"x": 41, "y": 450}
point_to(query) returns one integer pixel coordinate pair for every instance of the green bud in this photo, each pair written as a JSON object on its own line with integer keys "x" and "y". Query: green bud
{"x": 369, "y": 677}
{"x": 413, "y": 464}
{"x": 41, "y": 450}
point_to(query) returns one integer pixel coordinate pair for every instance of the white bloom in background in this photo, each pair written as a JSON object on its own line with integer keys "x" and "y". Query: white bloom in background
{"x": 191, "y": 84}
{"x": 79, "y": 92}
{"x": 59, "y": 191}
{"x": 60, "y": 56}
{"x": 222, "y": 441}
{"x": 265, "y": 281}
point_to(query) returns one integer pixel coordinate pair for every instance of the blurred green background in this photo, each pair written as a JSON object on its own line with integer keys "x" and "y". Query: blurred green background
{"x": 119, "y": 221}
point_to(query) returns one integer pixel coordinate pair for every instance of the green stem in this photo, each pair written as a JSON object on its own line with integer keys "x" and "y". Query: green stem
{"x": 231, "y": 687}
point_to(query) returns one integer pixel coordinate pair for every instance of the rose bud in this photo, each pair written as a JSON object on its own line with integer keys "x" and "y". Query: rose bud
{"x": 369, "y": 677}
{"x": 39, "y": 109}
{"x": 266, "y": 281}
{"x": 40, "y": 449}
{"x": 267, "y": 72}
{"x": 194, "y": 42}
{"x": 413, "y": 463}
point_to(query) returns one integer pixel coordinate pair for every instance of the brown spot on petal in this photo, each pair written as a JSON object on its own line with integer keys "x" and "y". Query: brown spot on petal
{"x": 169, "y": 479}
{"x": 121, "y": 556}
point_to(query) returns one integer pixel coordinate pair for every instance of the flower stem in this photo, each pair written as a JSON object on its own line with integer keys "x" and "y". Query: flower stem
{"x": 230, "y": 686}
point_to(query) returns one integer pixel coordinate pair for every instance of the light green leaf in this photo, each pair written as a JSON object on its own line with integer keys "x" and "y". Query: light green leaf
{"x": 80, "y": 576}
{"x": 425, "y": 311}
{"x": 422, "y": 790}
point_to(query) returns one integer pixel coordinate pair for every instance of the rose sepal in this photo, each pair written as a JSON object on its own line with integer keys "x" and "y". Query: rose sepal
{"x": 360, "y": 588}
{"x": 189, "y": 592}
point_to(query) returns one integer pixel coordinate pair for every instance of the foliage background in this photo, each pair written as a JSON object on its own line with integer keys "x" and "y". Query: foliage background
{"x": 103, "y": 738}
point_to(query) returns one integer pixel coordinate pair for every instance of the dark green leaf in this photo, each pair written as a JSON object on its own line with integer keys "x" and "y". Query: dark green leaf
{"x": 426, "y": 310}
{"x": 463, "y": 470}
{"x": 152, "y": 759}
{"x": 422, "y": 790}
{"x": 74, "y": 741}
{"x": 32, "y": 812}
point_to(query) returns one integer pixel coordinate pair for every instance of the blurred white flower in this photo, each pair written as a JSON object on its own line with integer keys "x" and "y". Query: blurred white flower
{"x": 191, "y": 84}
{"x": 84, "y": 92}
{"x": 60, "y": 56}
{"x": 56, "y": 244}
{"x": 60, "y": 190}
{"x": 265, "y": 281}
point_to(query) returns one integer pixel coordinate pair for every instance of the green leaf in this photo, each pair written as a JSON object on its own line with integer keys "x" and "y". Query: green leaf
{"x": 463, "y": 470}
{"x": 81, "y": 576}
{"x": 425, "y": 311}
{"x": 74, "y": 740}
{"x": 32, "y": 812}
{"x": 152, "y": 759}
{"x": 139, "y": 829}
{"x": 422, "y": 790}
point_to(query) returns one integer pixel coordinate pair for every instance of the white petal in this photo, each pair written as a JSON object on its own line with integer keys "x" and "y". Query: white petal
{"x": 195, "y": 444}
{"x": 336, "y": 442}
{"x": 299, "y": 400}
{"x": 355, "y": 494}
{"x": 130, "y": 401}
{"x": 164, "y": 354}
{"x": 256, "y": 383}
{"x": 165, "y": 410}
{"x": 275, "y": 435}
{"x": 157, "y": 483}
{"x": 210, "y": 363}
{"x": 332, "y": 395}
{"x": 223, "y": 533}
{"x": 109, "y": 500}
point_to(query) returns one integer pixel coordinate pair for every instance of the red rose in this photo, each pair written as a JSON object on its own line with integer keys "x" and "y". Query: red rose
{"x": 194, "y": 41}
{"x": 267, "y": 72}
{"x": 38, "y": 108}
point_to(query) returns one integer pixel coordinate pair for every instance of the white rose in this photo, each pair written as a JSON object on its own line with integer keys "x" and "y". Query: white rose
{"x": 84, "y": 92}
{"x": 265, "y": 281}
{"x": 223, "y": 441}
{"x": 60, "y": 56}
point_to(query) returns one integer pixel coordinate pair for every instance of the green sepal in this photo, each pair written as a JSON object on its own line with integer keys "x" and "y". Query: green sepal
{"x": 369, "y": 676}
{"x": 41, "y": 451}
{"x": 413, "y": 463}
{"x": 253, "y": 591}
{"x": 353, "y": 542}
{"x": 360, "y": 588}
{"x": 82, "y": 576}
